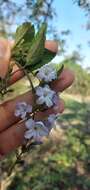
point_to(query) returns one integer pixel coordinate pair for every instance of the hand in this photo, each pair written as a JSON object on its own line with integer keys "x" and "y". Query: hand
{"x": 11, "y": 131}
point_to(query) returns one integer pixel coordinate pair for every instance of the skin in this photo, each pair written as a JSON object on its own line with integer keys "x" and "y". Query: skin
{"x": 11, "y": 130}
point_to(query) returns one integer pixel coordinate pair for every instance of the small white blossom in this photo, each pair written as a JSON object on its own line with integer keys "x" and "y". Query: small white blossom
{"x": 47, "y": 73}
{"x": 22, "y": 108}
{"x": 45, "y": 95}
{"x": 50, "y": 123}
{"x": 52, "y": 118}
{"x": 36, "y": 130}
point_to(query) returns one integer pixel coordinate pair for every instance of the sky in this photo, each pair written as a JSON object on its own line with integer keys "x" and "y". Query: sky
{"x": 70, "y": 16}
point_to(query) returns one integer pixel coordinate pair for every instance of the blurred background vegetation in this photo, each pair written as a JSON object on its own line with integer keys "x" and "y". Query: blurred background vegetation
{"x": 63, "y": 161}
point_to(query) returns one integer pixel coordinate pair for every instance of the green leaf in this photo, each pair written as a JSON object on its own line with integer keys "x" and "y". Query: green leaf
{"x": 24, "y": 32}
{"x": 31, "y": 54}
{"x": 47, "y": 57}
{"x": 59, "y": 68}
{"x": 23, "y": 39}
{"x": 36, "y": 51}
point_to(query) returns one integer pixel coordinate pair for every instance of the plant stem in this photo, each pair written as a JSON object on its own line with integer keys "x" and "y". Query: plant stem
{"x": 12, "y": 167}
{"x": 14, "y": 164}
{"x": 26, "y": 73}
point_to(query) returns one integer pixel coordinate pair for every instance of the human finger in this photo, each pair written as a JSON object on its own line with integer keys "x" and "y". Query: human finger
{"x": 13, "y": 137}
{"x": 5, "y": 53}
{"x": 7, "y": 109}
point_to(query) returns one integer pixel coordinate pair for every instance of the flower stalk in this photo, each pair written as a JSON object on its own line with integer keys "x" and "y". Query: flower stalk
{"x": 33, "y": 57}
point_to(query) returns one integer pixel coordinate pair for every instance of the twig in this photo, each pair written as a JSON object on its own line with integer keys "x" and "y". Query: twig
{"x": 26, "y": 73}
{"x": 14, "y": 164}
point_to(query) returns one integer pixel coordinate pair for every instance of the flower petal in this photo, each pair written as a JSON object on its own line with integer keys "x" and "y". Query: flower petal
{"x": 29, "y": 108}
{"x": 40, "y": 100}
{"x": 39, "y": 91}
{"x": 28, "y": 135}
{"x": 49, "y": 102}
{"x": 29, "y": 123}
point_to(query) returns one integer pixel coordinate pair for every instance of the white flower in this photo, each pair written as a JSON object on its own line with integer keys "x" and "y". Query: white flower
{"x": 50, "y": 123}
{"x": 47, "y": 73}
{"x": 22, "y": 108}
{"x": 36, "y": 130}
{"x": 45, "y": 95}
{"x": 52, "y": 118}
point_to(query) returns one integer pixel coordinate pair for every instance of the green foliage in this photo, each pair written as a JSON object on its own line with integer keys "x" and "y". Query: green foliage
{"x": 36, "y": 51}
{"x": 24, "y": 34}
{"x": 36, "y": 11}
{"x": 29, "y": 51}
{"x": 47, "y": 57}
{"x": 59, "y": 68}
{"x": 82, "y": 77}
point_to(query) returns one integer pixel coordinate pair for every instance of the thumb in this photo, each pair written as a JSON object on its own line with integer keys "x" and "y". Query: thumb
{"x": 5, "y": 53}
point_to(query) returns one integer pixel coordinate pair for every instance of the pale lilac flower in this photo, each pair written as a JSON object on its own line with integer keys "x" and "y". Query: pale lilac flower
{"x": 52, "y": 118}
{"x": 45, "y": 95}
{"x": 36, "y": 130}
{"x": 50, "y": 122}
{"x": 56, "y": 99}
{"x": 22, "y": 108}
{"x": 47, "y": 73}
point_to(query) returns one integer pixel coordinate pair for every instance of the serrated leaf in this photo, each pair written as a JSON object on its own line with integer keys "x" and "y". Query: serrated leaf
{"x": 36, "y": 51}
{"x": 32, "y": 55}
{"x": 24, "y": 32}
{"x": 23, "y": 38}
{"x": 47, "y": 57}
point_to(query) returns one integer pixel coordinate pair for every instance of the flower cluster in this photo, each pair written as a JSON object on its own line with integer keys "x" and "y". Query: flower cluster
{"x": 38, "y": 129}
{"x": 22, "y": 108}
{"x": 45, "y": 98}
{"x": 29, "y": 53}
{"x": 35, "y": 129}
